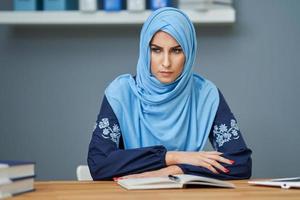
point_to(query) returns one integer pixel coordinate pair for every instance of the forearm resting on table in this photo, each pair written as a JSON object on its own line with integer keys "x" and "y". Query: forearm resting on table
{"x": 171, "y": 158}
{"x": 173, "y": 169}
{"x": 170, "y": 170}
{"x": 208, "y": 159}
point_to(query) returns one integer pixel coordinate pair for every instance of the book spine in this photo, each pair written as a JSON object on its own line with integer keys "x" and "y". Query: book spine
{"x": 112, "y": 5}
{"x": 25, "y": 5}
{"x": 88, "y": 5}
{"x": 136, "y": 5}
{"x": 60, "y": 5}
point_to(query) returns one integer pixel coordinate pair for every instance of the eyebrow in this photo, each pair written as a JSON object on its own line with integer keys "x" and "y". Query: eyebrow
{"x": 178, "y": 46}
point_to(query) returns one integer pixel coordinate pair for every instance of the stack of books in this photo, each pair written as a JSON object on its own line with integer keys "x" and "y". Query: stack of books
{"x": 16, "y": 177}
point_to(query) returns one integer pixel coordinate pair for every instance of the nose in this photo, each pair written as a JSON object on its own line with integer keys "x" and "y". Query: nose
{"x": 166, "y": 60}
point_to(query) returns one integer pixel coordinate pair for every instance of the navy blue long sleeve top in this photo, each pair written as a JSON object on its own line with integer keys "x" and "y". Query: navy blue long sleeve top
{"x": 107, "y": 157}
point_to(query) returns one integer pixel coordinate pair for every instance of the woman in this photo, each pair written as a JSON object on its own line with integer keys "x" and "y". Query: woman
{"x": 157, "y": 123}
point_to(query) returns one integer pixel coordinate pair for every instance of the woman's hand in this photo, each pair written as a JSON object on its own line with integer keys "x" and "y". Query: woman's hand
{"x": 170, "y": 170}
{"x": 208, "y": 159}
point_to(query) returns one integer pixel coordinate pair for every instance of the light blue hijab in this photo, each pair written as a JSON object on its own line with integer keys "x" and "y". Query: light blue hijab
{"x": 178, "y": 115}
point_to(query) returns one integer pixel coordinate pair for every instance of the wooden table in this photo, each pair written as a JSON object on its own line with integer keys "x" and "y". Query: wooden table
{"x": 111, "y": 190}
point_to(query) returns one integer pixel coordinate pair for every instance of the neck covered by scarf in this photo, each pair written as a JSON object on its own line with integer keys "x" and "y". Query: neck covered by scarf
{"x": 178, "y": 115}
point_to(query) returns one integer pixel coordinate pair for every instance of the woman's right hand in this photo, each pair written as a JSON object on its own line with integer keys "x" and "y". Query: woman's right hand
{"x": 208, "y": 159}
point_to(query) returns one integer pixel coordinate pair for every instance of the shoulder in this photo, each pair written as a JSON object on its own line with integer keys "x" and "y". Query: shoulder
{"x": 205, "y": 86}
{"x": 119, "y": 85}
{"x": 119, "y": 91}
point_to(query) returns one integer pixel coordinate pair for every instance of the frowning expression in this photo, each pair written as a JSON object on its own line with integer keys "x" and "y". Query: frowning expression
{"x": 167, "y": 57}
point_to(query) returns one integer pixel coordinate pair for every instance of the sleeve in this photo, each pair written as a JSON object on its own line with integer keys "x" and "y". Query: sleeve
{"x": 225, "y": 137}
{"x": 106, "y": 155}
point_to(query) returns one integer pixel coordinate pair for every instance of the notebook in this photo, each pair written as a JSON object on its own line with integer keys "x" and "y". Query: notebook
{"x": 286, "y": 183}
{"x": 172, "y": 181}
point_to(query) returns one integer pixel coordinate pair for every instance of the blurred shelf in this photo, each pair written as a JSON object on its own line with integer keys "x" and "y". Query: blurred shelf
{"x": 215, "y": 15}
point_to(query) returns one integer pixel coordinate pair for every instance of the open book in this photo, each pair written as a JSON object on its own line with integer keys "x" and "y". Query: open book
{"x": 171, "y": 181}
{"x": 281, "y": 182}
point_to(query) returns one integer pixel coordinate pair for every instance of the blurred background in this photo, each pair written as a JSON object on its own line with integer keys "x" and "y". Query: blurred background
{"x": 52, "y": 80}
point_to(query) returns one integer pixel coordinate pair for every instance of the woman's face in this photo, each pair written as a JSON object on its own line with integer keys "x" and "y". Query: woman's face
{"x": 167, "y": 57}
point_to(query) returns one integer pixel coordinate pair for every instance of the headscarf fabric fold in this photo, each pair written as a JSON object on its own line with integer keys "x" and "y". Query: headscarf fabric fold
{"x": 178, "y": 115}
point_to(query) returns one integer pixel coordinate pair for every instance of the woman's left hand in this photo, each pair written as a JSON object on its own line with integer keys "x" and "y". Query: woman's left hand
{"x": 170, "y": 170}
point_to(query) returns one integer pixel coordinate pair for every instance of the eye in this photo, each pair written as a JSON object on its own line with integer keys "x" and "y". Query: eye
{"x": 177, "y": 50}
{"x": 155, "y": 49}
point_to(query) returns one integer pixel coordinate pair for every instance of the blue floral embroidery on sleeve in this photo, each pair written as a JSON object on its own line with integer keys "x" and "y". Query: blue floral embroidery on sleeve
{"x": 224, "y": 134}
{"x": 108, "y": 132}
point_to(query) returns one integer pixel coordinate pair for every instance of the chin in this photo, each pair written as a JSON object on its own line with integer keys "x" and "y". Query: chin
{"x": 166, "y": 81}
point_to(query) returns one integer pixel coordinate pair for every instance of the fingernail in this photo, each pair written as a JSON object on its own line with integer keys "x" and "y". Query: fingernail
{"x": 116, "y": 178}
{"x": 226, "y": 170}
{"x": 232, "y": 161}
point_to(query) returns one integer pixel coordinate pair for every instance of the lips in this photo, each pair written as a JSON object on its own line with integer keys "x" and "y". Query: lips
{"x": 166, "y": 73}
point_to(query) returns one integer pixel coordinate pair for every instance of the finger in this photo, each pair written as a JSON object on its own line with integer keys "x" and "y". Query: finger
{"x": 216, "y": 165}
{"x": 130, "y": 176}
{"x": 122, "y": 177}
{"x": 220, "y": 159}
{"x": 115, "y": 178}
{"x": 209, "y": 167}
{"x": 213, "y": 152}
